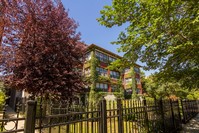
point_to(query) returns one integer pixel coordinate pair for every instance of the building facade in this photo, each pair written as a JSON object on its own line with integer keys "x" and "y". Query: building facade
{"x": 107, "y": 80}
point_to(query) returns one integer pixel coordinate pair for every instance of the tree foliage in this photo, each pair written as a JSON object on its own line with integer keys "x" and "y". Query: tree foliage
{"x": 2, "y": 95}
{"x": 41, "y": 48}
{"x": 161, "y": 33}
{"x": 156, "y": 87}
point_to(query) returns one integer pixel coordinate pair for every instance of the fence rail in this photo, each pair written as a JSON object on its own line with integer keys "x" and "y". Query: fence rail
{"x": 120, "y": 116}
{"x": 190, "y": 108}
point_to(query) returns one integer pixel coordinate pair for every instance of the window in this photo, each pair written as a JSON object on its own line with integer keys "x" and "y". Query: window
{"x": 114, "y": 88}
{"x": 105, "y": 86}
{"x": 138, "y": 91}
{"x": 137, "y": 81}
{"x": 128, "y": 91}
{"x": 137, "y": 70}
{"x": 101, "y": 71}
{"x": 126, "y": 70}
{"x": 97, "y": 85}
{"x": 102, "y": 57}
{"x": 127, "y": 80}
{"x": 111, "y": 59}
{"x": 101, "y": 87}
{"x": 114, "y": 74}
{"x": 88, "y": 56}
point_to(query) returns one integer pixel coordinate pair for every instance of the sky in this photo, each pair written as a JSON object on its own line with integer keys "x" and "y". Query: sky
{"x": 85, "y": 13}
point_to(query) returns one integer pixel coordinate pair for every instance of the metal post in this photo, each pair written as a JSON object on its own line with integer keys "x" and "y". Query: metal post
{"x": 23, "y": 104}
{"x": 29, "y": 126}
{"x": 146, "y": 116}
{"x": 103, "y": 123}
{"x": 197, "y": 106}
{"x": 17, "y": 111}
{"x": 120, "y": 116}
{"x": 162, "y": 115}
{"x": 179, "y": 115}
{"x": 183, "y": 113}
{"x": 172, "y": 114}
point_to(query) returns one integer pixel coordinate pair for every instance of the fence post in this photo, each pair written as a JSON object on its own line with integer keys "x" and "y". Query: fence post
{"x": 103, "y": 124}
{"x": 29, "y": 126}
{"x": 146, "y": 116}
{"x": 172, "y": 114}
{"x": 197, "y": 102}
{"x": 120, "y": 116}
{"x": 179, "y": 115}
{"x": 23, "y": 104}
{"x": 183, "y": 113}
{"x": 162, "y": 114}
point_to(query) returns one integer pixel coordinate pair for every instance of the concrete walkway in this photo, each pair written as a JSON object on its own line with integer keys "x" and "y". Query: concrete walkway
{"x": 192, "y": 126}
{"x": 11, "y": 125}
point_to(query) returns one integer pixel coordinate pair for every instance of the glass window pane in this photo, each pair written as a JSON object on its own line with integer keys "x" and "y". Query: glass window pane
{"x": 101, "y": 86}
{"x": 97, "y": 85}
{"x": 105, "y": 86}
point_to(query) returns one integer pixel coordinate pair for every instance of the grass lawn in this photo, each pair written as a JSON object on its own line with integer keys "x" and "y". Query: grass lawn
{"x": 93, "y": 127}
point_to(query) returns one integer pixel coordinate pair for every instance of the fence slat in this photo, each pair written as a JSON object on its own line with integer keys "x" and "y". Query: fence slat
{"x": 103, "y": 117}
{"x": 120, "y": 117}
{"x": 146, "y": 116}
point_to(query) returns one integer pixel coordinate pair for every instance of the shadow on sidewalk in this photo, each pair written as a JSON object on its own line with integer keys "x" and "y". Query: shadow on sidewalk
{"x": 10, "y": 113}
{"x": 192, "y": 126}
{"x": 10, "y": 125}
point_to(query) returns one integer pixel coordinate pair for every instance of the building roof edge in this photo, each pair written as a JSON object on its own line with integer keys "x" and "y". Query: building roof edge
{"x": 107, "y": 51}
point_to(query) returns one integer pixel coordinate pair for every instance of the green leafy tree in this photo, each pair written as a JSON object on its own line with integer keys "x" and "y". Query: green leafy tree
{"x": 2, "y": 95}
{"x": 193, "y": 95}
{"x": 156, "y": 88}
{"x": 151, "y": 87}
{"x": 162, "y": 33}
{"x": 143, "y": 81}
{"x": 41, "y": 49}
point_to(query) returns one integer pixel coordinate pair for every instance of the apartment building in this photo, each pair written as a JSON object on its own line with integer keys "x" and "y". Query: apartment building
{"x": 110, "y": 81}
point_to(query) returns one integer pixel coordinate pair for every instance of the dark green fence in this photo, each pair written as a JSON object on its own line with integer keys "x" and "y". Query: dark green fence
{"x": 120, "y": 116}
{"x": 190, "y": 108}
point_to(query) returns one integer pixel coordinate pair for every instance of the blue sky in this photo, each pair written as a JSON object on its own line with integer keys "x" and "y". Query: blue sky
{"x": 85, "y": 13}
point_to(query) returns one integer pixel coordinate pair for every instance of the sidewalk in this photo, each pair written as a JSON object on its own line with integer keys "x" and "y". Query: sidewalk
{"x": 11, "y": 125}
{"x": 192, "y": 126}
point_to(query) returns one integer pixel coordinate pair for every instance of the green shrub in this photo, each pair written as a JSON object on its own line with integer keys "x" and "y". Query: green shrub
{"x": 2, "y": 95}
{"x": 149, "y": 99}
{"x": 103, "y": 79}
{"x": 2, "y": 99}
{"x": 190, "y": 97}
